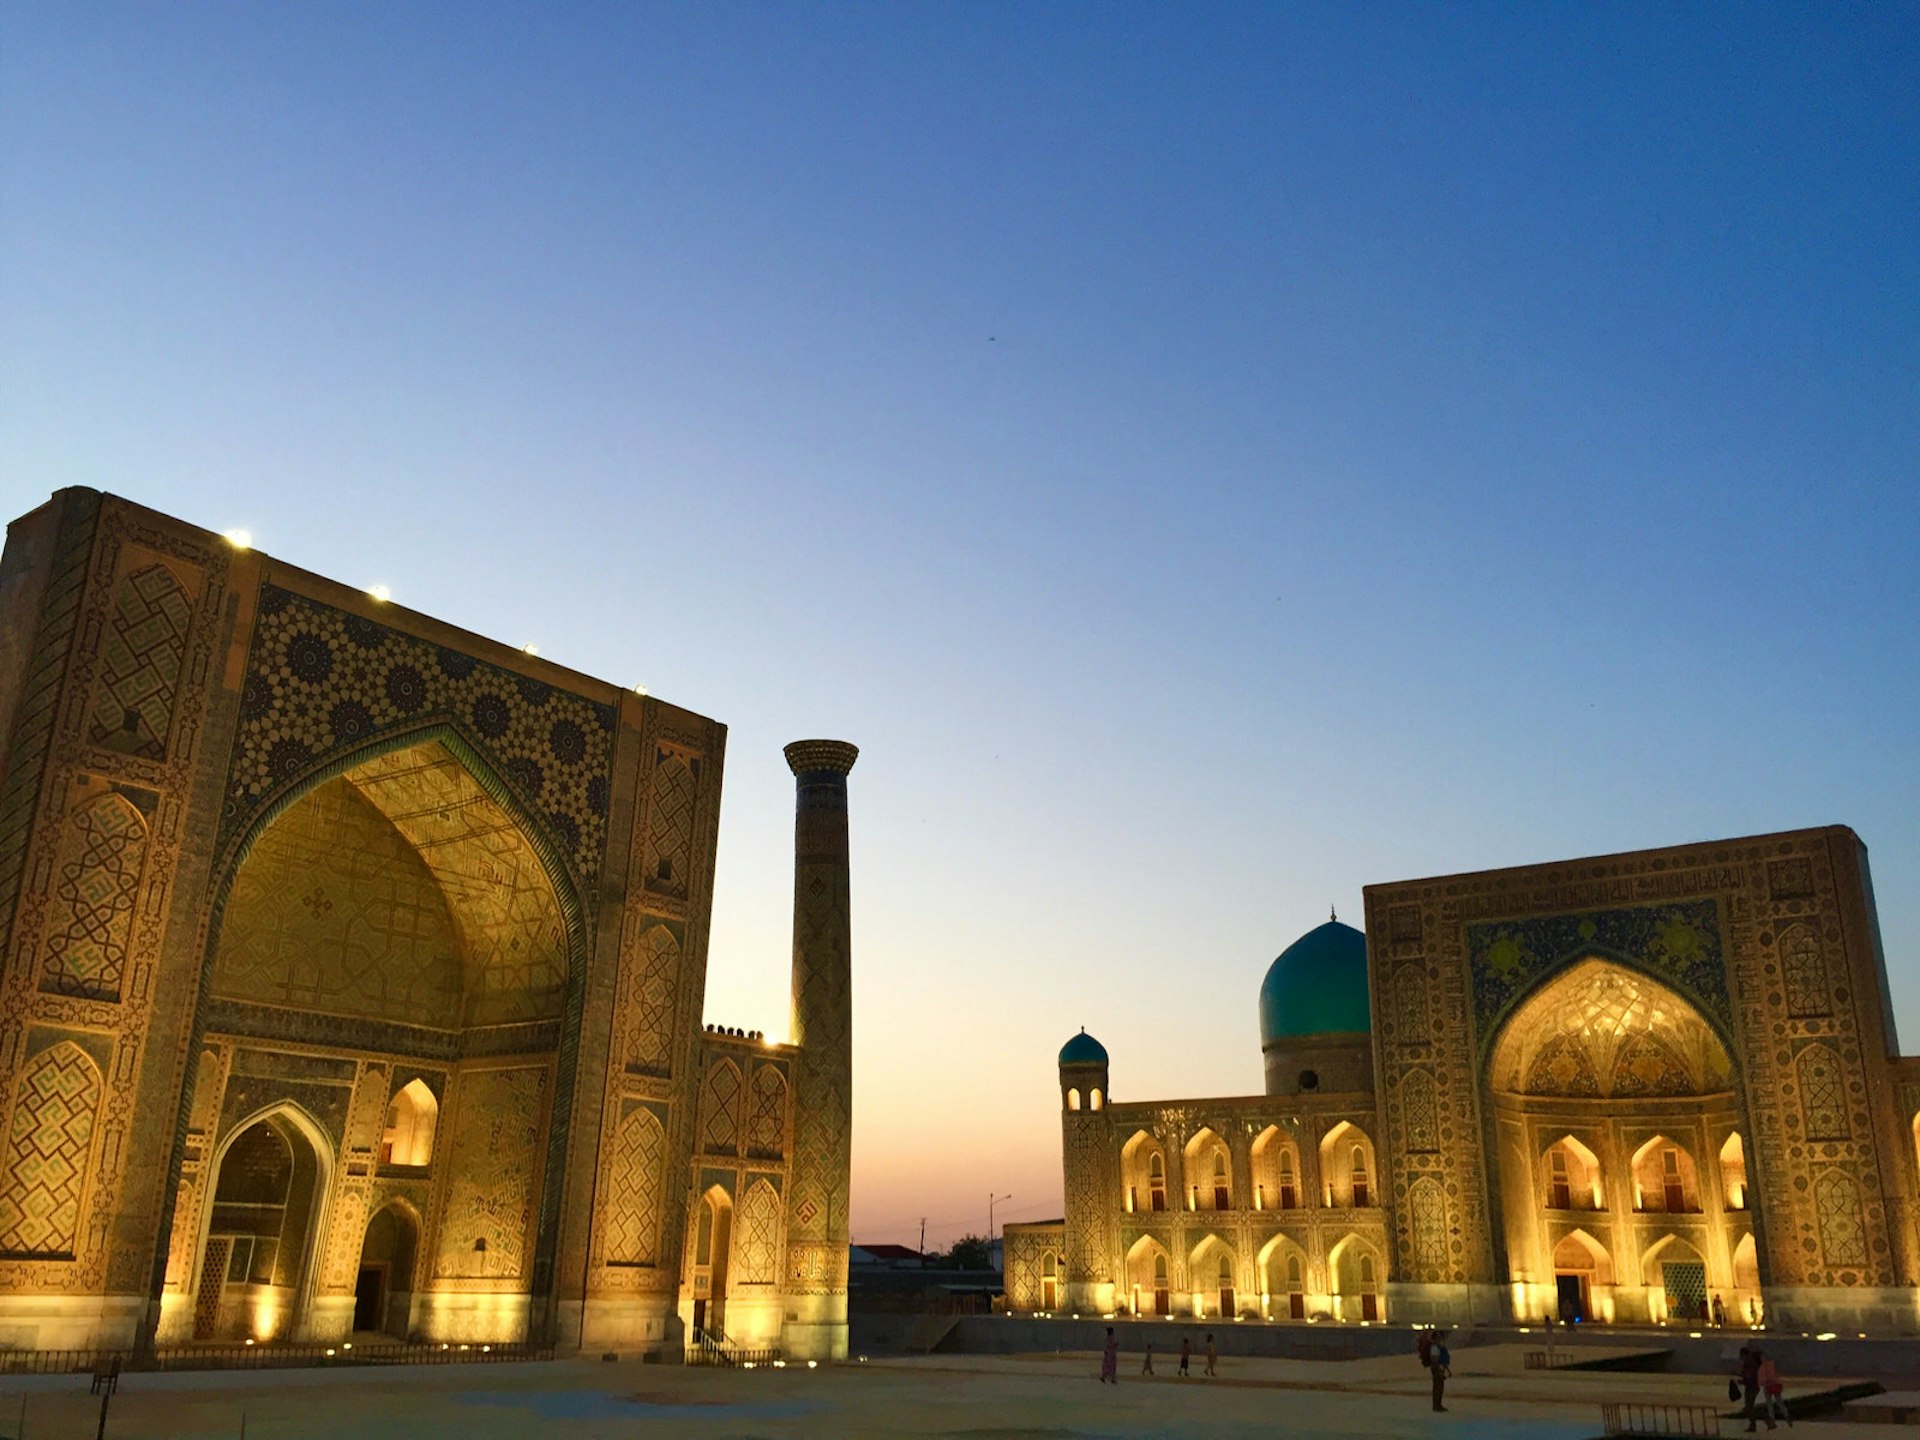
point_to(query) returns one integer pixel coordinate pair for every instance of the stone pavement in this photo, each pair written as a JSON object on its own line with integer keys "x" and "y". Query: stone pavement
{"x": 1021, "y": 1397}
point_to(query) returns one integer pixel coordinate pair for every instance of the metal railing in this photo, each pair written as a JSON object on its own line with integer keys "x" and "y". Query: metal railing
{"x": 710, "y": 1347}
{"x": 264, "y": 1357}
{"x": 1631, "y": 1418}
{"x": 1550, "y": 1359}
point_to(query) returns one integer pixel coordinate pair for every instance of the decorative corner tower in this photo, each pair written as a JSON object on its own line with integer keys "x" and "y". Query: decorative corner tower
{"x": 817, "y": 1230}
{"x": 1086, "y": 1155}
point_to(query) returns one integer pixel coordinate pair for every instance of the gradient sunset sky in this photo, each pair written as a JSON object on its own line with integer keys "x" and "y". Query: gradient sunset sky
{"x": 1210, "y": 458}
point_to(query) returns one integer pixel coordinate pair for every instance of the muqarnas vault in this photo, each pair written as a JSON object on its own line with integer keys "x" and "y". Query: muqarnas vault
{"x": 353, "y": 974}
{"x": 1658, "y": 1087}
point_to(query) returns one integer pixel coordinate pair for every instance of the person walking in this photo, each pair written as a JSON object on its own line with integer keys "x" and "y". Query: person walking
{"x": 1440, "y": 1368}
{"x": 1213, "y": 1357}
{"x": 1719, "y": 1313}
{"x": 1110, "y": 1360}
{"x": 1750, "y": 1360}
{"x": 1773, "y": 1393}
{"x": 1146, "y": 1365}
{"x": 1186, "y": 1354}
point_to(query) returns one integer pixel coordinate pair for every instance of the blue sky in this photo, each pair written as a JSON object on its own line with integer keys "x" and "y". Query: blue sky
{"x": 1210, "y": 458}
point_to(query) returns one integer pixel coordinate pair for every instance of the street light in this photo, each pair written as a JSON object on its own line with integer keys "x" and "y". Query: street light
{"x": 993, "y": 1200}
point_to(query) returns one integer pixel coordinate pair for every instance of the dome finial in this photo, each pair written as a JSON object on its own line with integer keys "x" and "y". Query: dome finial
{"x": 1332, "y": 914}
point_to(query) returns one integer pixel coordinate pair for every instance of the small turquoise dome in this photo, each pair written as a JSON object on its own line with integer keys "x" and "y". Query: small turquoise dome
{"x": 1318, "y": 986}
{"x": 1083, "y": 1049}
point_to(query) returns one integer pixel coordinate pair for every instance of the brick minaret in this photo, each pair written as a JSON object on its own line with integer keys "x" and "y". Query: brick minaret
{"x": 816, "y": 1278}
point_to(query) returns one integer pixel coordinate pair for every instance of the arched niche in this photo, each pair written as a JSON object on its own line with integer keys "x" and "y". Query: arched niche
{"x": 412, "y": 1117}
{"x": 1143, "y": 1174}
{"x": 1607, "y": 1091}
{"x": 1357, "y": 1270}
{"x": 1347, "y": 1168}
{"x": 399, "y": 900}
{"x": 1209, "y": 1171}
{"x": 253, "y": 1276}
{"x": 1149, "y": 1277}
{"x": 385, "y": 1283}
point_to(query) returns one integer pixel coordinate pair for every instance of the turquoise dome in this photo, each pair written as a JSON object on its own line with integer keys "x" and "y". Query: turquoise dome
{"x": 1083, "y": 1049}
{"x": 1318, "y": 986}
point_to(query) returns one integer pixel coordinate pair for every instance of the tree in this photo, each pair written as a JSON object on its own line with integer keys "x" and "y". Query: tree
{"x": 969, "y": 1252}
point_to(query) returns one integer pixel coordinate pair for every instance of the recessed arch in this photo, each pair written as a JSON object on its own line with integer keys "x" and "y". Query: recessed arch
{"x": 412, "y": 1117}
{"x": 1347, "y": 1167}
{"x": 1209, "y": 1171}
{"x": 1357, "y": 1271}
{"x": 262, "y": 1230}
{"x": 440, "y": 745}
{"x": 1149, "y": 1277}
{"x": 1143, "y": 1173}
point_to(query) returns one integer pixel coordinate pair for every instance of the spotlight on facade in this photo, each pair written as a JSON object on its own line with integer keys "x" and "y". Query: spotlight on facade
{"x": 640, "y": 690}
{"x": 239, "y": 539}
{"x": 813, "y": 1364}
{"x": 1826, "y": 1335}
{"x": 529, "y": 649}
{"x": 380, "y": 593}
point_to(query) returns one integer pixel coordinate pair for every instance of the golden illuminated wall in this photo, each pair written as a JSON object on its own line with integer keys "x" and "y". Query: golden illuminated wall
{"x": 1771, "y": 941}
{"x": 270, "y": 849}
{"x": 110, "y": 623}
{"x": 1114, "y": 1247}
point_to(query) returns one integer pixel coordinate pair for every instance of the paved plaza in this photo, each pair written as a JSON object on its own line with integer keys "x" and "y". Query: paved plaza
{"x": 1023, "y": 1397}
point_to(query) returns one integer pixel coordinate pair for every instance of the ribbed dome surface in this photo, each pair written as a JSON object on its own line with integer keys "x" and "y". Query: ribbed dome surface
{"x": 1318, "y": 986}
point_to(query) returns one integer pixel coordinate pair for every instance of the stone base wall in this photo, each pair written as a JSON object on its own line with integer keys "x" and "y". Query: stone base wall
{"x": 70, "y": 1322}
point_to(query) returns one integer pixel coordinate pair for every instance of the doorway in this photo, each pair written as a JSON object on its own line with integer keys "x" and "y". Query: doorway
{"x": 369, "y": 1298}
{"x": 1572, "y": 1297}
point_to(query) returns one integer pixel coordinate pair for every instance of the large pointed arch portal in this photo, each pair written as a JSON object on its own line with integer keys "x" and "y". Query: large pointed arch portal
{"x": 1613, "y": 1099}
{"x": 408, "y": 937}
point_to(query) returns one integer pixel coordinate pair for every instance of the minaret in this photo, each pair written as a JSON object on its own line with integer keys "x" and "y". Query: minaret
{"x": 817, "y": 1231}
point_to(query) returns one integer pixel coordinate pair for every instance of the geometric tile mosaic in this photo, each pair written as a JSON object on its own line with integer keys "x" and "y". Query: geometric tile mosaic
{"x": 90, "y": 918}
{"x": 321, "y": 681}
{"x": 47, "y": 1148}
{"x": 140, "y": 664}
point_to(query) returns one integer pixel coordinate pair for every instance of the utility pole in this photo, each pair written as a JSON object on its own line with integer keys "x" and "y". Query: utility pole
{"x": 923, "y": 1242}
{"x": 993, "y": 1200}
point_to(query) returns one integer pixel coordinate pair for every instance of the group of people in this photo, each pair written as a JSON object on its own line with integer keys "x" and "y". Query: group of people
{"x": 1110, "y": 1358}
{"x": 1758, "y": 1383}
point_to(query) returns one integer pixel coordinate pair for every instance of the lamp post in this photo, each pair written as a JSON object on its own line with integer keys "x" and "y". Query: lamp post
{"x": 993, "y": 1200}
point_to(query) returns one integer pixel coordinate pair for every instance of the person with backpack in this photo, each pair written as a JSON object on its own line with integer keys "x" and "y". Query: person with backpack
{"x": 1441, "y": 1369}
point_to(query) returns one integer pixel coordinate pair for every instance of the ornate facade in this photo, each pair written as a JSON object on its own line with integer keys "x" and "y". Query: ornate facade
{"x": 1644, "y": 1088}
{"x": 353, "y": 969}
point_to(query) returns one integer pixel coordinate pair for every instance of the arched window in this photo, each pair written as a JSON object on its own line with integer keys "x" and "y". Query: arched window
{"x": 1095, "y": 1099}
{"x": 1073, "y": 1097}
{"x": 1226, "y": 1285}
{"x": 1361, "y": 1195}
{"x": 1222, "y": 1187}
{"x": 1157, "y": 1182}
{"x": 1733, "y": 1172}
{"x": 1049, "y": 1281}
{"x": 1289, "y": 1187}
{"x": 411, "y": 1119}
